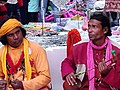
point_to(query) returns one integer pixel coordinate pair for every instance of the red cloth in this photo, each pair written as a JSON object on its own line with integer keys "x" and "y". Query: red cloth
{"x": 79, "y": 56}
{"x": 13, "y": 68}
{"x": 73, "y": 37}
{"x": 20, "y": 3}
{"x": 3, "y": 12}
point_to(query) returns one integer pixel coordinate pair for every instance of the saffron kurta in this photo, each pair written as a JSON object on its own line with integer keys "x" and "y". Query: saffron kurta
{"x": 40, "y": 77}
{"x": 79, "y": 56}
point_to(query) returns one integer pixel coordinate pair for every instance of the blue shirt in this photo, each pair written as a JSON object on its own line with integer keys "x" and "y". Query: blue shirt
{"x": 33, "y": 6}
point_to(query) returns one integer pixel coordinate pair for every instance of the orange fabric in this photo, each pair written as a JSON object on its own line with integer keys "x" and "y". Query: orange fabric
{"x": 39, "y": 64}
{"x": 73, "y": 37}
{"x": 9, "y": 25}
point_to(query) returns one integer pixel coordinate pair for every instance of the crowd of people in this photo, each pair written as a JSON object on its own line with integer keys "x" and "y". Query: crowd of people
{"x": 32, "y": 10}
{"x": 25, "y": 10}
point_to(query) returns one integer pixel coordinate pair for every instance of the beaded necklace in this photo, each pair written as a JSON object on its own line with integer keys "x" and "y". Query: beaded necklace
{"x": 97, "y": 57}
{"x": 98, "y": 79}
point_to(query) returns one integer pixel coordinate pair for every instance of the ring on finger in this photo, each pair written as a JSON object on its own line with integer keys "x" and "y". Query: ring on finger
{"x": 71, "y": 77}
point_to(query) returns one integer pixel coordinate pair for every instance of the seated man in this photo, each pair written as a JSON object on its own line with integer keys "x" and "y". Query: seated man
{"x": 102, "y": 67}
{"x": 23, "y": 64}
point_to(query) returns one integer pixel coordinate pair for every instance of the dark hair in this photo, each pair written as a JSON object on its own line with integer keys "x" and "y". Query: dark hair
{"x": 3, "y": 39}
{"x": 4, "y": 0}
{"x": 105, "y": 22}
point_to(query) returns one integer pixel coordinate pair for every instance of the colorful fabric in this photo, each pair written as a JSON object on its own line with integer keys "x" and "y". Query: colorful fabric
{"x": 90, "y": 60}
{"x": 33, "y": 6}
{"x": 3, "y": 12}
{"x": 112, "y": 5}
{"x": 73, "y": 37}
{"x": 72, "y": 12}
{"x": 27, "y": 62}
{"x": 12, "y": 69}
{"x": 8, "y": 26}
{"x": 60, "y": 3}
{"x": 20, "y": 3}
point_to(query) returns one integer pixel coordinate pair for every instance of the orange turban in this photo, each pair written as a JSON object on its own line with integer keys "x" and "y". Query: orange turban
{"x": 9, "y": 25}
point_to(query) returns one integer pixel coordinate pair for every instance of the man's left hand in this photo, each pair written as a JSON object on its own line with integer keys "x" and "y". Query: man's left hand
{"x": 103, "y": 68}
{"x": 16, "y": 84}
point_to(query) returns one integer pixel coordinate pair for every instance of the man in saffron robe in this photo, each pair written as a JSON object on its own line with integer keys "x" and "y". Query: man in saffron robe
{"x": 23, "y": 64}
{"x": 102, "y": 67}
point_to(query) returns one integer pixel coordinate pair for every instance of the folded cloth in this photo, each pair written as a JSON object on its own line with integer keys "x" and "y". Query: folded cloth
{"x": 73, "y": 37}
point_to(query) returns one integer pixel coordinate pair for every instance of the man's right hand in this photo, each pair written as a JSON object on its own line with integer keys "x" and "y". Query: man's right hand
{"x": 72, "y": 82}
{"x": 71, "y": 79}
{"x": 3, "y": 84}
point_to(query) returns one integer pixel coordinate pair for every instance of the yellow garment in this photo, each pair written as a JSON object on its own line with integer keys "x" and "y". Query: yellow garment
{"x": 27, "y": 63}
{"x": 77, "y": 17}
{"x": 40, "y": 76}
{"x": 8, "y": 26}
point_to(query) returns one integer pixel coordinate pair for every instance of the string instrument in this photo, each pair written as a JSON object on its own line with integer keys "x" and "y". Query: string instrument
{"x": 113, "y": 61}
{"x": 111, "y": 65}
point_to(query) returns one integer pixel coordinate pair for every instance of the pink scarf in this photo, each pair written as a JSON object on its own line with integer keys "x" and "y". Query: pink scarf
{"x": 90, "y": 60}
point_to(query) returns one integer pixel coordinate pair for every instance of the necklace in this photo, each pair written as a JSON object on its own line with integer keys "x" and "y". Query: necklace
{"x": 98, "y": 56}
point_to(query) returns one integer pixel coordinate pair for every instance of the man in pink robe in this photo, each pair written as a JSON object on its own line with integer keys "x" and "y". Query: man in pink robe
{"x": 102, "y": 66}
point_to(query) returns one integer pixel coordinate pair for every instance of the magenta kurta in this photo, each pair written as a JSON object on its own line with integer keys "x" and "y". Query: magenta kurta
{"x": 79, "y": 56}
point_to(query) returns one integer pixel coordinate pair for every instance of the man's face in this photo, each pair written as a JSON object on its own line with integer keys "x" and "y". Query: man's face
{"x": 15, "y": 37}
{"x": 95, "y": 31}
